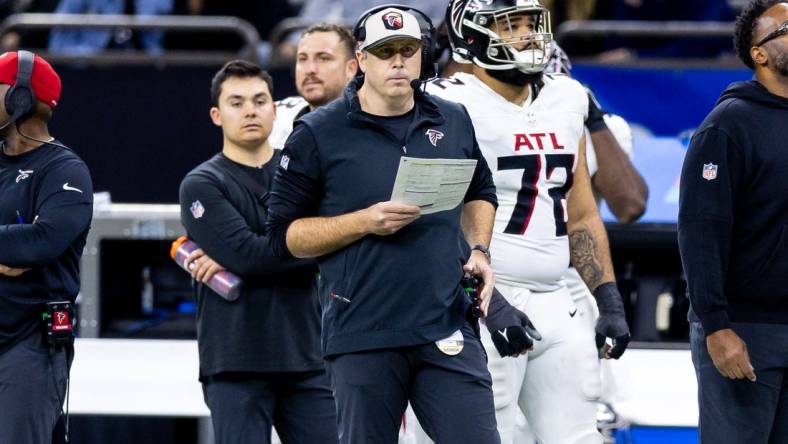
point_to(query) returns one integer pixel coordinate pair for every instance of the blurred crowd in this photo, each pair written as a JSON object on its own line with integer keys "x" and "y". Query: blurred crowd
{"x": 279, "y": 23}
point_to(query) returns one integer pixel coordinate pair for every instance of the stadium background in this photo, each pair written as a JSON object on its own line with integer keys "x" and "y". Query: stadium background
{"x": 139, "y": 118}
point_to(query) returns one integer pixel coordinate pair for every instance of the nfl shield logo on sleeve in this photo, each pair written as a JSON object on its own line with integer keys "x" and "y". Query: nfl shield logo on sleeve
{"x": 709, "y": 171}
{"x": 197, "y": 209}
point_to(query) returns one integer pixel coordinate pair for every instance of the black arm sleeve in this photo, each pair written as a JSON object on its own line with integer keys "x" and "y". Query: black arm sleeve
{"x": 706, "y": 221}
{"x": 64, "y": 206}
{"x": 297, "y": 187}
{"x": 482, "y": 186}
{"x": 224, "y": 234}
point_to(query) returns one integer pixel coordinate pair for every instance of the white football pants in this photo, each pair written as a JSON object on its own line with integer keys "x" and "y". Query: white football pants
{"x": 556, "y": 385}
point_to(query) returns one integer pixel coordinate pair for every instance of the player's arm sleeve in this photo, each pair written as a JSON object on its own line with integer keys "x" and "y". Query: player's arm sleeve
{"x": 297, "y": 187}
{"x": 482, "y": 186}
{"x": 223, "y": 233}
{"x": 64, "y": 209}
{"x": 706, "y": 221}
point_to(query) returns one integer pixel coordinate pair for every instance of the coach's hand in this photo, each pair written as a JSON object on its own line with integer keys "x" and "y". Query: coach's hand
{"x": 388, "y": 217}
{"x": 511, "y": 330}
{"x": 12, "y": 272}
{"x": 201, "y": 266}
{"x": 729, "y": 354}
{"x": 612, "y": 322}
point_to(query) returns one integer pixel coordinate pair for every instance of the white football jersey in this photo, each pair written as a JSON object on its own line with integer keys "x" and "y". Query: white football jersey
{"x": 532, "y": 150}
{"x": 286, "y": 111}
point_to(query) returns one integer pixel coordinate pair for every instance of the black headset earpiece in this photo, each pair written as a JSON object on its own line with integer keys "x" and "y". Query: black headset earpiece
{"x": 19, "y": 100}
{"x": 429, "y": 68}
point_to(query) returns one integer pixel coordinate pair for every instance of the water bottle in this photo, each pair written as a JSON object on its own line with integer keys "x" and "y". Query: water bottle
{"x": 224, "y": 283}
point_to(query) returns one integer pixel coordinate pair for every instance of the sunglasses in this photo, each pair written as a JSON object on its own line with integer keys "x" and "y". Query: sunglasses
{"x": 385, "y": 52}
{"x": 782, "y": 29}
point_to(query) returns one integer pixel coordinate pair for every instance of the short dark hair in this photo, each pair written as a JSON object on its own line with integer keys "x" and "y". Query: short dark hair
{"x": 241, "y": 69}
{"x": 344, "y": 34}
{"x": 745, "y": 28}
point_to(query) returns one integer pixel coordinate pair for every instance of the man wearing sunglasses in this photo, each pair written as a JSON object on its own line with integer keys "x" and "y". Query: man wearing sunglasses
{"x": 733, "y": 239}
{"x": 394, "y": 312}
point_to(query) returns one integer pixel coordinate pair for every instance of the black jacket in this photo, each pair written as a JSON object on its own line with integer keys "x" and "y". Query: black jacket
{"x": 54, "y": 185}
{"x": 274, "y": 324}
{"x": 381, "y": 291}
{"x": 733, "y": 211}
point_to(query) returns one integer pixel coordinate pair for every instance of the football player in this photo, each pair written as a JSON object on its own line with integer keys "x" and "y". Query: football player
{"x": 325, "y": 62}
{"x": 613, "y": 178}
{"x": 530, "y": 126}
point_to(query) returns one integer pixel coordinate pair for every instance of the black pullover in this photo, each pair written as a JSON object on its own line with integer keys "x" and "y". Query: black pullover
{"x": 380, "y": 291}
{"x": 733, "y": 211}
{"x": 274, "y": 325}
{"x": 51, "y": 186}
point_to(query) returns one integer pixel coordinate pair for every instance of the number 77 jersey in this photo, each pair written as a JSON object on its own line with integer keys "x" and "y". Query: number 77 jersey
{"x": 532, "y": 150}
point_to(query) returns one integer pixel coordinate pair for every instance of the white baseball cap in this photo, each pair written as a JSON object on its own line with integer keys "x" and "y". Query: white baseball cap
{"x": 390, "y": 24}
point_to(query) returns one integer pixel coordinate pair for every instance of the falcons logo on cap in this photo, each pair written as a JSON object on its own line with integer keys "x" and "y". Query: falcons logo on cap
{"x": 392, "y": 20}
{"x": 434, "y": 136}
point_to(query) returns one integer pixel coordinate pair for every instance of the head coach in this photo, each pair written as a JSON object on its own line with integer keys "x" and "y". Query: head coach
{"x": 733, "y": 239}
{"x": 46, "y": 205}
{"x": 390, "y": 276}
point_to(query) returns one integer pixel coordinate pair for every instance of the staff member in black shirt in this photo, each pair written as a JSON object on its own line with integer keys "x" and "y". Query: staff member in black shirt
{"x": 260, "y": 363}
{"x": 733, "y": 238}
{"x": 46, "y": 205}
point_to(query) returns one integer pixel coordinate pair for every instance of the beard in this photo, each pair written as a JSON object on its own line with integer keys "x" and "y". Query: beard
{"x": 781, "y": 64}
{"x": 515, "y": 77}
{"x": 328, "y": 94}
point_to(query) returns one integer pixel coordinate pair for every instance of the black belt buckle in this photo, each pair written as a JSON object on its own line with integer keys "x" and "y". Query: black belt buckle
{"x": 58, "y": 323}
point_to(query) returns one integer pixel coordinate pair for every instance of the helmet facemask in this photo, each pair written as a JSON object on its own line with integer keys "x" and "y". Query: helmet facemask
{"x": 490, "y": 37}
{"x": 527, "y": 53}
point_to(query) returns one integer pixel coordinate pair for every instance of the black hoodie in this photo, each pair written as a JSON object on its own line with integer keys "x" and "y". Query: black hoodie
{"x": 733, "y": 211}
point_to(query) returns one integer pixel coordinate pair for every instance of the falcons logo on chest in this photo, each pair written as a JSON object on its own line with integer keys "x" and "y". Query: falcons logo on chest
{"x": 434, "y": 136}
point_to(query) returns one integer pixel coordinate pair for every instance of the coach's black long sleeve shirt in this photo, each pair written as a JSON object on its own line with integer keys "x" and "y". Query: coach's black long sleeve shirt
{"x": 380, "y": 291}
{"x": 733, "y": 211}
{"x": 51, "y": 186}
{"x": 274, "y": 325}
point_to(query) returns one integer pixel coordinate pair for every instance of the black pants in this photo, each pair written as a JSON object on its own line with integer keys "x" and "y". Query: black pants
{"x": 32, "y": 390}
{"x": 451, "y": 395}
{"x": 299, "y": 405}
{"x": 737, "y": 410}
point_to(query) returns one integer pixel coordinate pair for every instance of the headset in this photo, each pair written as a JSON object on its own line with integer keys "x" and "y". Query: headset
{"x": 429, "y": 69}
{"x": 19, "y": 100}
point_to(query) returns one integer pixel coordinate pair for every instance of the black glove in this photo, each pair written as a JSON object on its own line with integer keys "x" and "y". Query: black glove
{"x": 596, "y": 115}
{"x": 511, "y": 330}
{"x": 612, "y": 322}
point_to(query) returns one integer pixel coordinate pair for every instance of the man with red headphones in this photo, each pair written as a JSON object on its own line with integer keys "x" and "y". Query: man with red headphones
{"x": 46, "y": 205}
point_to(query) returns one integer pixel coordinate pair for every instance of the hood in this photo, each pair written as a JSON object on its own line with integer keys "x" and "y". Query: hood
{"x": 752, "y": 91}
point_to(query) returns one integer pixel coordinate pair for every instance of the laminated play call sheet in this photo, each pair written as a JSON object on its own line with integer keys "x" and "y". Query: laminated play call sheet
{"x": 433, "y": 184}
